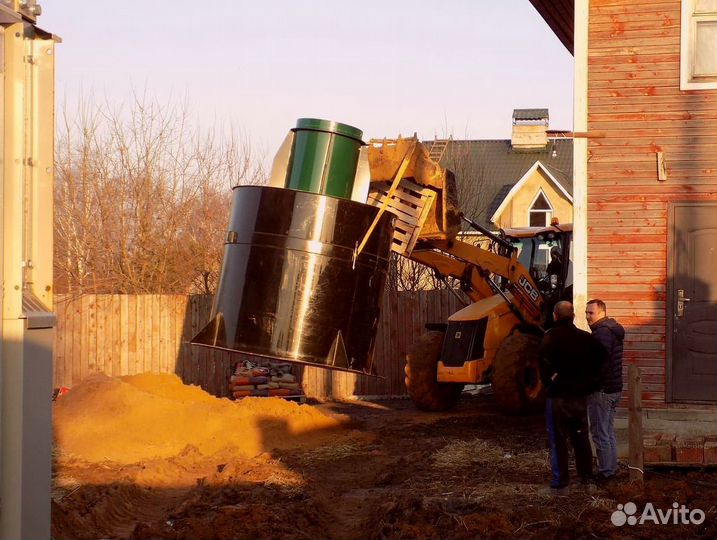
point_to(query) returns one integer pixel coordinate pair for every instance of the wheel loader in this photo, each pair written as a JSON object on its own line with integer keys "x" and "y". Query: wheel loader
{"x": 306, "y": 259}
{"x": 510, "y": 278}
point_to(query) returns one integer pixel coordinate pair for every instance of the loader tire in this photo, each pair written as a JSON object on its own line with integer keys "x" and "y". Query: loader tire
{"x": 421, "y": 369}
{"x": 516, "y": 376}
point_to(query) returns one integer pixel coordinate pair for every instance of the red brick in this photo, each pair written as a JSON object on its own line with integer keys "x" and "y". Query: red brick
{"x": 658, "y": 453}
{"x": 690, "y": 450}
{"x": 711, "y": 452}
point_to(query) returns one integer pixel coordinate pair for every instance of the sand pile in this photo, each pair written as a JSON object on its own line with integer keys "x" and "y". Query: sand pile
{"x": 147, "y": 416}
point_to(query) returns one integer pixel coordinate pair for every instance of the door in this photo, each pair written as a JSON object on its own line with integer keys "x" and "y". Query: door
{"x": 692, "y": 302}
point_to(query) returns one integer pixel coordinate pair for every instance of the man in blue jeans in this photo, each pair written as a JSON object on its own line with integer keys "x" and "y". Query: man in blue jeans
{"x": 602, "y": 404}
{"x": 571, "y": 361}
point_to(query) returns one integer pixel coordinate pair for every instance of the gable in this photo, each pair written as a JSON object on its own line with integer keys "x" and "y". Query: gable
{"x": 536, "y": 178}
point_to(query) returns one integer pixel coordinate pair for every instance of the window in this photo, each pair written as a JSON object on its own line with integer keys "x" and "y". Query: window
{"x": 698, "y": 45}
{"x": 540, "y": 212}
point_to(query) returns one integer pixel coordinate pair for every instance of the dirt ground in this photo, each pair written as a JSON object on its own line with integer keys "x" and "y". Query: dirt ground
{"x": 388, "y": 471}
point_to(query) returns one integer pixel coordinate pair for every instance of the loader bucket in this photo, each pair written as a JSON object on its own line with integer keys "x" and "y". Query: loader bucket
{"x": 292, "y": 286}
{"x": 425, "y": 200}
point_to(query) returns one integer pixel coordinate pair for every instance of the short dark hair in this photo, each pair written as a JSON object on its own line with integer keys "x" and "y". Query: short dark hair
{"x": 600, "y": 304}
{"x": 563, "y": 310}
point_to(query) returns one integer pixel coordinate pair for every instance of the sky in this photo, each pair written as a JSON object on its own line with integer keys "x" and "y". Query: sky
{"x": 437, "y": 68}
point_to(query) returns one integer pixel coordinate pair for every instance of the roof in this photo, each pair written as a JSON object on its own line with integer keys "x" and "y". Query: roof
{"x": 530, "y": 114}
{"x": 559, "y": 14}
{"x": 487, "y": 170}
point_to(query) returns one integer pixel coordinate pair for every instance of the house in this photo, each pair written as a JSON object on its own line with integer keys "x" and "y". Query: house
{"x": 645, "y": 183}
{"x": 518, "y": 182}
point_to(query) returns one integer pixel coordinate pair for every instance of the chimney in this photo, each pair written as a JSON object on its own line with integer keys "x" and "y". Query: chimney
{"x": 530, "y": 129}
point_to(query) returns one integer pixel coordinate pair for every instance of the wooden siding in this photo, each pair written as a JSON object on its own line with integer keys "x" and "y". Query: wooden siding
{"x": 635, "y": 109}
{"x": 124, "y": 335}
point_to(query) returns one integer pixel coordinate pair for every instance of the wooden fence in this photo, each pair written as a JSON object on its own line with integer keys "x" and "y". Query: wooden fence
{"x": 129, "y": 334}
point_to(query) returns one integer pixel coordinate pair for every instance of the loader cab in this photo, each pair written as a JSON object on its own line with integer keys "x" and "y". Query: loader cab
{"x": 546, "y": 252}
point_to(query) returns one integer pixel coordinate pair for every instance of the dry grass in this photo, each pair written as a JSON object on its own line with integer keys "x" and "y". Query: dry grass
{"x": 331, "y": 453}
{"x": 288, "y": 482}
{"x": 459, "y": 454}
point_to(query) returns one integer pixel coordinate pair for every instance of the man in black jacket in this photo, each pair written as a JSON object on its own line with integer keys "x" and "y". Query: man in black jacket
{"x": 571, "y": 362}
{"x": 602, "y": 403}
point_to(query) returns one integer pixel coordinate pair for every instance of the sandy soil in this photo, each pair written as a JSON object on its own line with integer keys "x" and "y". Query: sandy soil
{"x": 363, "y": 470}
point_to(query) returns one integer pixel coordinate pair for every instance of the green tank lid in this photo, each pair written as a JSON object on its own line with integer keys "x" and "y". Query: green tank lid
{"x": 329, "y": 126}
{"x": 324, "y": 157}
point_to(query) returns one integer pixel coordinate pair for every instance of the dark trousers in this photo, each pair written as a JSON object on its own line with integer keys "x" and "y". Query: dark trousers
{"x": 568, "y": 417}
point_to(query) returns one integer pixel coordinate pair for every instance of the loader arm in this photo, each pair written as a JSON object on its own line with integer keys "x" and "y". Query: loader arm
{"x": 474, "y": 266}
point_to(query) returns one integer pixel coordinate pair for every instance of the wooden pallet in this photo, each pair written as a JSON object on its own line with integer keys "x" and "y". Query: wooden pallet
{"x": 411, "y": 204}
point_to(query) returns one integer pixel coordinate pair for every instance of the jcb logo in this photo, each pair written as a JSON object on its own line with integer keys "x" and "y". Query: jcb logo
{"x": 528, "y": 288}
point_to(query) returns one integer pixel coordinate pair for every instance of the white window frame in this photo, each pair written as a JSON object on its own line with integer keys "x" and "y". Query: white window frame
{"x": 687, "y": 38}
{"x": 549, "y": 213}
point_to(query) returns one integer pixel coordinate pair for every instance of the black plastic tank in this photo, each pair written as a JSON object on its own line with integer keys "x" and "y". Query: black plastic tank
{"x": 290, "y": 287}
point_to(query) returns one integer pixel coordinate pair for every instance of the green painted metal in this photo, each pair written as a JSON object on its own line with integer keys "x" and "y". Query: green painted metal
{"x": 324, "y": 157}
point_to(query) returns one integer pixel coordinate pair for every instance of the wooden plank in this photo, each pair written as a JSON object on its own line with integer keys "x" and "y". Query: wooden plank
{"x": 117, "y": 322}
{"x": 618, "y": 267}
{"x": 602, "y": 221}
{"x": 204, "y": 354}
{"x": 635, "y": 448}
{"x": 103, "y": 363}
{"x": 633, "y": 12}
{"x": 122, "y": 330}
{"x": 628, "y": 281}
{"x": 149, "y": 333}
{"x": 58, "y": 358}
{"x": 394, "y": 332}
{"x": 62, "y": 304}
{"x": 154, "y": 317}
{"x": 177, "y": 320}
{"x": 621, "y": 35}
{"x": 618, "y": 207}
{"x": 404, "y": 212}
{"x": 92, "y": 336}
{"x": 132, "y": 334}
{"x": 625, "y": 230}
{"x": 658, "y": 116}
{"x": 615, "y": 7}
{"x": 622, "y": 250}
{"x": 85, "y": 342}
{"x": 186, "y": 310}
{"x": 107, "y": 344}
{"x": 659, "y": 88}
{"x": 612, "y": 106}
{"x": 613, "y": 160}
{"x": 164, "y": 343}
{"x": 646, "y": 153}
{"x": 194, "y": 372}
{"x": 76, "y": 318}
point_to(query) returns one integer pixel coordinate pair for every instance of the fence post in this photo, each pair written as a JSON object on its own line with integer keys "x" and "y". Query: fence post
{"x": 634, "y": 426}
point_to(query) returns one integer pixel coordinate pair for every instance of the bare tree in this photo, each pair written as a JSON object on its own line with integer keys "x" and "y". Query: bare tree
{"x": 142, "y": 199}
